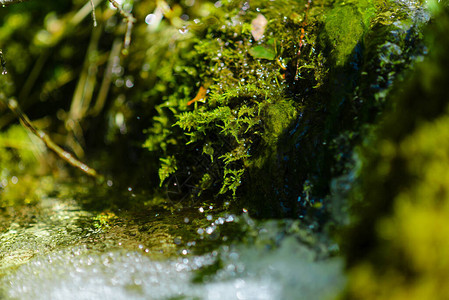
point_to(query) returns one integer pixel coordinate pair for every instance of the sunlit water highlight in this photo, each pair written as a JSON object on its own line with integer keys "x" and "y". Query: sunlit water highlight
{"x": 248, "y": 273}
{"x": 57, "y": 250}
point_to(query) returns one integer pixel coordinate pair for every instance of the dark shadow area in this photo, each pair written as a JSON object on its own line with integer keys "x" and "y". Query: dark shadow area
{"x": 319, "y": 146}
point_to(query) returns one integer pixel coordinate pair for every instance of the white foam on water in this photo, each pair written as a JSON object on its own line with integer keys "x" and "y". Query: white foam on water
{"x": 289, "y": 272}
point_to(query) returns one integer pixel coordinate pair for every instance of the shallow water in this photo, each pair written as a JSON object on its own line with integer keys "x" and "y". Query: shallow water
{"x": 42, "y": 228}
{"x": 288, "y": 273}
{"x": 57, "y": 250}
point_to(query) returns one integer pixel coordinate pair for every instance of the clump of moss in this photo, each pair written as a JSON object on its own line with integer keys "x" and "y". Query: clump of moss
{"x": 397, "y": 246}
{"x": 245, "y": 109}
{"x": 276, "y": 114}
{"x": 345, "y": 26}
{"x": 278, "y": 117}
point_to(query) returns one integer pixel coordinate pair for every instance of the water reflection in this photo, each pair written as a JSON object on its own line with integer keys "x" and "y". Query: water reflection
{"x": 41, "y": 229}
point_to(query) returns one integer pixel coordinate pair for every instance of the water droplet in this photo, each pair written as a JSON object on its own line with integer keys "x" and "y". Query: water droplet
{"x": 3, "y": 183}
{"x": 119, "y": 82}
{"x": 183, "y": 30}
{"x": 129, "y": 83}
{"x": 117, "y": 70}
{"x": 120, "y": 3}
{"x": 150, "y": 18}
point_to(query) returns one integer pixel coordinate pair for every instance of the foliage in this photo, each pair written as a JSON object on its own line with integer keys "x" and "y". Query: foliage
{"x": 244, "y": 97}
{"x": 219, "y": 110}
{"x": 258, "y": 91}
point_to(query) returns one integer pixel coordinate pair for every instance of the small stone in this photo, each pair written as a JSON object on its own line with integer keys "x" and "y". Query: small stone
{"x": 258, "y": 26}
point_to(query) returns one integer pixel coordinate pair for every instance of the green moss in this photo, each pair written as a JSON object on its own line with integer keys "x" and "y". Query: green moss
{"x": 275, "y": 116}
{"x": 282, "y": 113}
{"x": 19, "y": 160}
{"x": 397, "y": 245}
{"x": 345, "y": 25}
{"x": 408, "y": 258}
{"x": 279, "y": 117}
{"x": 104, "y": 220}
{"x": 243, "y": 104}
{"x": 262, "y": 53}
{"x": 168, "y": 166}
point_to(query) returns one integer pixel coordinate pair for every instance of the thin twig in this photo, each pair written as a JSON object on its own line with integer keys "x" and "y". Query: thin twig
{"x": 94, "y": 17}
{"x": 107, "y": 78}
{"x": 130, "y": 20}
{"x": 68, "y": 157}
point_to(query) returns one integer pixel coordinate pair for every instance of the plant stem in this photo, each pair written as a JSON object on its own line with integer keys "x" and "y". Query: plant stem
{"x": 65, "y": 155}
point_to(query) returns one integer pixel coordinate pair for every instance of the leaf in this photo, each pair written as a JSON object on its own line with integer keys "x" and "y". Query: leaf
{"x": 262, "y": 53}
{"x": 168, "y": 167}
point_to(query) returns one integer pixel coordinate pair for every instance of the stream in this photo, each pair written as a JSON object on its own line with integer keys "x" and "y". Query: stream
{"x": 57, "y": 250}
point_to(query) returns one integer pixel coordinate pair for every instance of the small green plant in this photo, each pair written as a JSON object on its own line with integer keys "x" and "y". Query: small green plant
{"x": 244, "y": 106}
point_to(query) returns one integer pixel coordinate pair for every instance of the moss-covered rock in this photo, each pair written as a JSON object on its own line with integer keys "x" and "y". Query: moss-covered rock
{"x": 243, "y": 110}
{"x": 397, "y": 245}
{"x": 274, "y": 119}
{"x": 260, "y": 101}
